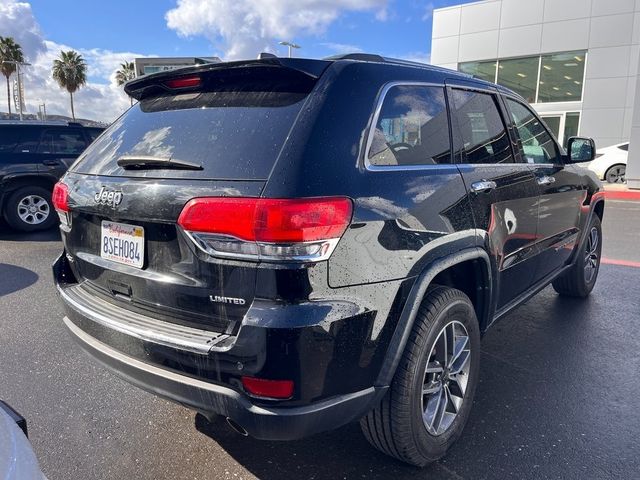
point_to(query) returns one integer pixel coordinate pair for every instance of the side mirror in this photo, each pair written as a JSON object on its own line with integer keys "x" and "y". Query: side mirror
{"x": 580, "y": 150}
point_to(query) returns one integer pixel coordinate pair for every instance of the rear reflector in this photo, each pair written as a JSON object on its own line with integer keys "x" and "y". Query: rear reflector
{"x": 183, "y": 82}
{"x": 267, "y": 229}
{"x": 259, "y": 387}
{"x": 60, "y": 197}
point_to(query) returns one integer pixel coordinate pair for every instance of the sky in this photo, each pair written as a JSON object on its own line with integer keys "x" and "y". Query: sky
{"x": 109, "y": 33}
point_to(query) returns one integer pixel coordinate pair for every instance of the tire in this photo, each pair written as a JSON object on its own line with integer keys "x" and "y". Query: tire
{"x": 580, "y": 279}
{"x": 397, "y": 426}
{"x": 616, "y": 174}
{"x": 29, "y": 209}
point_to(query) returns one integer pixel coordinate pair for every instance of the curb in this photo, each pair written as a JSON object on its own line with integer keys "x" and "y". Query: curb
{"x": 622, "y": 195}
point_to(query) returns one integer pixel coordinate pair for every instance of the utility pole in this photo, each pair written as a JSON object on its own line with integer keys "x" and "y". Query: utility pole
{"x": 20, "y": 96}
{"x": 290, "y": 45}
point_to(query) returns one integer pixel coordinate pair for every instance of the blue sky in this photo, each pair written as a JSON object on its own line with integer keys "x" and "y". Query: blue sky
{"x": 140, "y": 26}
{"x": 107, "y": 33}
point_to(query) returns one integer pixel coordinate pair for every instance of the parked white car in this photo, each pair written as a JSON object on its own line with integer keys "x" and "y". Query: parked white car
{"x": 610, "y": 163}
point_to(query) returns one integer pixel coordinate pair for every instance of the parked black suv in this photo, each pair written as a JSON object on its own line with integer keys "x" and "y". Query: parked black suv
{"x": 296, "y": 244}
{"x": 33, "y": 156}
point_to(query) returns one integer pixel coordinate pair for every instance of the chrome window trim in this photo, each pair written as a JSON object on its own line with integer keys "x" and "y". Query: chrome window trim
{"x": 374, "y": 121}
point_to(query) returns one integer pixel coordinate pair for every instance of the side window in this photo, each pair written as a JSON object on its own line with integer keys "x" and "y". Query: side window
{"x": 481, "y": 127}
{"x": 412, "y": 128}
{"x": 92, "y": 133}
{"x": 537, "y": 145}
{"x": 8, "y": 139}
{"x": 62, "y": 141}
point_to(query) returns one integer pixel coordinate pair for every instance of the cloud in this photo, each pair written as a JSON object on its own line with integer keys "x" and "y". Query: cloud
{"x": 243, "y": 28}
{"x": 341, "y": 47}
{"x": 101, "y": 99}
{"x": 428, "y": 11}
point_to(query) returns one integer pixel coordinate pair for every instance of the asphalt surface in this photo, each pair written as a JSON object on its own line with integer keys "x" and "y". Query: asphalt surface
{"x": 559, "y": 392}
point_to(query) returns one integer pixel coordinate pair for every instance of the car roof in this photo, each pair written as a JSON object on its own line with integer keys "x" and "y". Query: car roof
{"x": 311, "y": 67}
{"x": 40, "y": 123}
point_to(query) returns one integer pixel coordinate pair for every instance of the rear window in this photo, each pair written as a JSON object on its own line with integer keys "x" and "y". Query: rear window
{"x": 232, "y": 134}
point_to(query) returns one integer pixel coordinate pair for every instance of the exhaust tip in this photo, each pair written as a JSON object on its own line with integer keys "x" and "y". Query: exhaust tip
{"x": 237, "y": 427}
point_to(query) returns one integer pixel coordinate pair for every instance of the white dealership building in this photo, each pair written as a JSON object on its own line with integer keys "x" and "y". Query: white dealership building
{"x": 575, "y": 61}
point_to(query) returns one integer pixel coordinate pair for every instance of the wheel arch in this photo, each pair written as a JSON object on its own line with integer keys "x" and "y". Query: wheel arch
{"x": 11, "y": 183}
{"x": 452, "y": 271}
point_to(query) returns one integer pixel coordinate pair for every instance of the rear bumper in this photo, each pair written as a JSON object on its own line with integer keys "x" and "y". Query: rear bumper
{"x": 212, "y": 399}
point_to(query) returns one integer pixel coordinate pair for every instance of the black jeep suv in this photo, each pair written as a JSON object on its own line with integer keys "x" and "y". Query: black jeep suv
{"x": 297, "y": 244}
{"x": 33, "y": 156}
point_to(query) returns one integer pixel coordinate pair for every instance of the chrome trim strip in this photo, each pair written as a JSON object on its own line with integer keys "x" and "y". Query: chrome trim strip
{"x": 148, "y": 329}
{"x": 145, "y": 367}
{"x": 374, "y": 121}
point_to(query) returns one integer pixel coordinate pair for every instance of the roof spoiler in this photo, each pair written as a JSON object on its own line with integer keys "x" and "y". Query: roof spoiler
{"x": 139, "y": 87}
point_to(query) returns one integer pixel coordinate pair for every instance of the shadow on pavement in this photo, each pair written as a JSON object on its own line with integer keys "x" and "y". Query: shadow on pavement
{"x": 14, "y": 278}
{"x": 343, "y": 453}
{"x": 50, "y": 235}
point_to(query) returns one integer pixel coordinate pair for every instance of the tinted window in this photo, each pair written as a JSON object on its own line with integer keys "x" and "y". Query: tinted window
{"x": 537, "y": 144}
{"x": 481, "y": 127}
{"x": 624, "y": 147}
{"x": 66, "y": 141}
{"x": 232, "y": 134}
{"x": 92, "y": 133}
{"x": 8, "y": 139}
{"x": 412, "y": 128}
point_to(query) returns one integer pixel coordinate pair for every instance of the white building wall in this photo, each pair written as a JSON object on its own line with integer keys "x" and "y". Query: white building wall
{"x": 608, "y": 29}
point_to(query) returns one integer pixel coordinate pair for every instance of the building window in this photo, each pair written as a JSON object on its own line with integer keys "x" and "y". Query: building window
{"x": 482, "y": 70}
{"x": 520, "y": 75}
{"x": 561, "y": 77}
{"x": 571, "y": 122}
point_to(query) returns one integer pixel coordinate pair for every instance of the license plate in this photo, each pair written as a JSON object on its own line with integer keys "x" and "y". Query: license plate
{"x": 122, "y": 243}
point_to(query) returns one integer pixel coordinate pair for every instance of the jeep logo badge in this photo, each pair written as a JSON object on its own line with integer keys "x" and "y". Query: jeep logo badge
{"x": 112, "y": 198}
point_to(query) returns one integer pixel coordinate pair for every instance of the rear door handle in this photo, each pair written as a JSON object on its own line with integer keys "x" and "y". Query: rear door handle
{"x": 51, "y": 163}
{"x": 545, "y": 180}
{"x": 483, "y": 186}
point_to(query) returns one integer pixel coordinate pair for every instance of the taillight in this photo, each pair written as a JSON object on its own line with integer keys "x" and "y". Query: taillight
{"x": 183, "y": 82}
{"x": 259, "y": 387}
{"x": 267, "y": 229}
{"x": 60, "y": 197}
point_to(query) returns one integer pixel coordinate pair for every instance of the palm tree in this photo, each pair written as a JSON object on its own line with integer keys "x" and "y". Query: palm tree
{"x": 70, "y": 71}
{"x": 10, "y": 51}
{"x": 124, "y": 74}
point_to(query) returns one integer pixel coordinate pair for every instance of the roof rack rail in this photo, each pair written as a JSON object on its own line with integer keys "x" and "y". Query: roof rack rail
{"x": 363, "y": 57}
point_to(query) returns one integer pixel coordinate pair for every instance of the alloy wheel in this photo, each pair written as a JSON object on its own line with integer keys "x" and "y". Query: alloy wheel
{"x": 616, "y": 174}
{"x": 445, "y": 378}
{"x": 591, "y": 258}
{"x": 33, "y": 209}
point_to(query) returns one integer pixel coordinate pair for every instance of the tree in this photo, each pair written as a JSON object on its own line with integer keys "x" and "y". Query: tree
{"x": 10, "y": 51}
{"x": 70, "y": 71}
{"x": 124, "y": 74}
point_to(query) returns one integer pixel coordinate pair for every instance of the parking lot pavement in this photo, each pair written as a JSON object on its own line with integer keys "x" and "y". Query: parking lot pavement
{"x": 558, "y": 395}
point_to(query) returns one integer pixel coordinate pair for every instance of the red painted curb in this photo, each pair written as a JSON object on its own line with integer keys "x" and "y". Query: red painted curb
{"x": 622, "y": 195}
{"x": 624, "y": 263}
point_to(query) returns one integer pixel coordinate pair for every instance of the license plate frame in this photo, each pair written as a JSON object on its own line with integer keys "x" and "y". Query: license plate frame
{"x": 122, "y": 243}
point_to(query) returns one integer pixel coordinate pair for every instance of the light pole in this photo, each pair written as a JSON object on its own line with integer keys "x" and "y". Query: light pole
{"x": 290, "y": 45}
{"x": 18, "y": 65}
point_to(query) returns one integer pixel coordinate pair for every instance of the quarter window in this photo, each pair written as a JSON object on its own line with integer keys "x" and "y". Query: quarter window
{"x": 412, "y": 128}
{"x": 537, "y": 145}
{"x": 66, "y": 142}
{"x": 481, "y": 127}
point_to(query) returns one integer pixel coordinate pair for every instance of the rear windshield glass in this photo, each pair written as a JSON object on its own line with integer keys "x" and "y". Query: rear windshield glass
{"x": 231, "y": 134}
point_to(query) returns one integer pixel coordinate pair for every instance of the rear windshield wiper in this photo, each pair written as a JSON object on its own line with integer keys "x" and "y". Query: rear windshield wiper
{"x": 146, "y": 162}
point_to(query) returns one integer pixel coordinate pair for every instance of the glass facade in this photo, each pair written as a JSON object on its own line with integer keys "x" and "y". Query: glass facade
{"x": 482, "y": 70}
{"x": 539, "y": 79}
{"x": 561, "y": 77}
